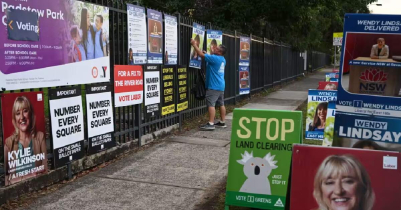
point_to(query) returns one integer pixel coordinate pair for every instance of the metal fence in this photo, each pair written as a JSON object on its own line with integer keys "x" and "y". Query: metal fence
{"x": 272, "y": 63}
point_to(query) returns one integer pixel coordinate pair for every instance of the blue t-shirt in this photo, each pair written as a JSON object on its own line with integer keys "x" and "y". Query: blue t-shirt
{"x": 215, "y": 65}
{"x": 90, "y": 49}
{"x": 99, "y": 44}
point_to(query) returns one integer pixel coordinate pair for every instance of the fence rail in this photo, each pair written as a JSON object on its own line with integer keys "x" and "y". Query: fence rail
{"x": 272, "y": 63}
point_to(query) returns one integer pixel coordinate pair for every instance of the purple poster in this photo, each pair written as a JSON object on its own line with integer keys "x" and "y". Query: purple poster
{"x": 67, "y": 44}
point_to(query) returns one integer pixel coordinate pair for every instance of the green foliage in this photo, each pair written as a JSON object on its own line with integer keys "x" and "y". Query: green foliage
{"x": 305, "y": 24}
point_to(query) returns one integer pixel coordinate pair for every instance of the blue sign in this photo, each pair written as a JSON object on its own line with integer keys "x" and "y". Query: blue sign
{"x": 155, "y": 37}
{"x": 198, "y": 34}
{"x": 245, "y": 51}
{"x": 22, "y": 25}
{"x": 244, "y": 80}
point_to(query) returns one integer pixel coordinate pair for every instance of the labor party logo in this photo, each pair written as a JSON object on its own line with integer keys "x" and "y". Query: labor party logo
{"x": 373, "y": 81}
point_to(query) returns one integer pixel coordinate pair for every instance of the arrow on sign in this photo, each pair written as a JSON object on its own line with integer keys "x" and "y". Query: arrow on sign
{"x": 10, "y": 25}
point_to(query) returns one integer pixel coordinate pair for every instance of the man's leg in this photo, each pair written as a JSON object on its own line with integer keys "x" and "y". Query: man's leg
{"x": 211, "y": 98}
{"x": 212, "y": 114}
{"x": 220, "y": 103}
{"x": 223, "y": 113}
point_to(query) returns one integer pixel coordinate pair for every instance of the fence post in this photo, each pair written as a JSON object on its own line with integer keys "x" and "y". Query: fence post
{"x": 139, "y": 123}
{"x": 250, "y": 69}
{"x": 236, "y": 69}
{"x": 179, "y": 59}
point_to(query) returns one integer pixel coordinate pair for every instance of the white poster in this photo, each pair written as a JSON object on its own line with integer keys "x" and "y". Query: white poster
{"x": 137, "y": 50}
{"x": 152, "y": 87}
{"x": 171, "y": 40}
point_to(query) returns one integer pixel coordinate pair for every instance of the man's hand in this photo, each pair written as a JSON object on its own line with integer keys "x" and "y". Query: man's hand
{"x": 193, "y": 42}
{"x": 204, "y": 52}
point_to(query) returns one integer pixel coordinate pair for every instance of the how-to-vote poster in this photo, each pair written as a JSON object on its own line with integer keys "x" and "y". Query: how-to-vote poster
{"x": 128, "y": 85}
{"x": 244, "y": 80}
{"x": 213, "y": 39}
{"x": 198, "y": 34}
{"x": 260, "y": 157}
{"x": 152, "y": 90}
{"x": 67, "y": 124}
{"x": 318, "y": 101}
{"x": 170, "y": 40}
{"x": 168, "y": 73}
{"x": 155, "y": 37}
{"x": 182, "y": 96}
{"x": 99, "y": 112}
{"x": 42, "y": 44}
{"x": 245, "y": 51}
{"x": 137, "y": 40}
{"x": 329, "y": 128}
{"x": 24, "y": 130}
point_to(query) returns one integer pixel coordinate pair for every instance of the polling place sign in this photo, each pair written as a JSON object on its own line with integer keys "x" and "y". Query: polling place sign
{"x": 67, "y": 124}
{"x": 260, "y": 157}
{"x": 99, "y": 112}
{"x": 128, "y": 85}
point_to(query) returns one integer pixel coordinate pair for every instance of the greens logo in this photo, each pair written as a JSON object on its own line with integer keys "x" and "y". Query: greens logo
{"x": 373, "y": 81}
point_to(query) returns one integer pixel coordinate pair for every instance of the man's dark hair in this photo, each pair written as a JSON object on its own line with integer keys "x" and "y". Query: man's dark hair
{"x": 223, "y": 49}
{"x": 101, "y": 18}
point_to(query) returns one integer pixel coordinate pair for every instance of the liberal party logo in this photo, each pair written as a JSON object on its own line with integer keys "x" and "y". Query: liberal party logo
{"x": 373, "y": 81}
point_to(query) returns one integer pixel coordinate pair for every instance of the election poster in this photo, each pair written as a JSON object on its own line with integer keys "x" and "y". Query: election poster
{"x": 245, "y": 51}
{"x": 168, "y": 73}
{"x": 342, "y": 178}
{"x": 67, "y": 124}
{"x": 170, "y": 40}
{"x": 100, "y": 123}
{"x": 213, "y": 39}
{"x": 338, "y": 39}
{"x": 260, "y": 157}
{"x": 152, "y": 90}
{"x": 198, "y": 34}
{"x": 155, "y": 37}
{"x": 244, "y": 80}
{"x": 24, "y": 137}
{"x": 128, "y": 85}
{"x": 328, "y": 135}
{"x": 330, "y": 76}
{"x": 328, "y": 86}
{"x": 182, "y": 96}
{"x": 137, "y": 41}
{"x": 44, "y": 44}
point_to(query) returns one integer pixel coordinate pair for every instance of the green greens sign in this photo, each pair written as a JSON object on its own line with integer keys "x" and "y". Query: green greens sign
{"x": 260, "y": 157}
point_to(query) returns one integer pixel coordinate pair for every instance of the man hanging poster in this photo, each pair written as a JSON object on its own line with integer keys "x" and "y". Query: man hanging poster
{"x": 168, "y": 81}
{"x": 68, "y": 38}
{"x": 99, "y": 112}
{"x": 25, "y": 153}
{"x": 171, "y": 40}
{"x": 245, "y": 51}
{"x": 67, "y": 125}
{"x": 152, "y": 90}
{"x": 244, "y": 81}
{"x": 128, "y": 85}
{"x": 182, "y": 97}
{"x": 137, "y": 43}
{"x": 155, "y": 37}
{"x": 213, "y": 39}
{"x": 198, "y": 34}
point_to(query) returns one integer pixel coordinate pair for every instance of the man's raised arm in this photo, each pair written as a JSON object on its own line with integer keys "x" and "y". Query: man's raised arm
{"x": 196, "y": 48}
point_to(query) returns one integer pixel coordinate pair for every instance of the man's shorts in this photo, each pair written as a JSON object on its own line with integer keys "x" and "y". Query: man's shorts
{"x": 214, "y": 98}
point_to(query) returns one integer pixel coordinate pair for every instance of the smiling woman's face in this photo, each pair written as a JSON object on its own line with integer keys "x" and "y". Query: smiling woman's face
{"x": 22, "y": 119}
{"x": 340, "y": 192}
{"x": 321, "y": 113}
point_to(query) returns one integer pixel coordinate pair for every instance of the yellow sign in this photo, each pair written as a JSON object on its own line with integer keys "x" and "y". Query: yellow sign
{"x": 338, "y": 39}
{"x": 168, "y": 109}
{"x": 182, "y": 106}
{"x": 338, "y": 35}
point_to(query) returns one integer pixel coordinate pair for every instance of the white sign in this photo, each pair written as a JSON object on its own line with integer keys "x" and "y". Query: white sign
{"x": 152, "y": 87}
{"x": 100, "y": 114}
{"x": 171, "y": 40}
{"x": 390, "y": 162}
{"x": 137, "y": 40}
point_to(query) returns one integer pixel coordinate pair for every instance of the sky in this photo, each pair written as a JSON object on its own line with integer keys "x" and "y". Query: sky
{"x": 388, "y": 7}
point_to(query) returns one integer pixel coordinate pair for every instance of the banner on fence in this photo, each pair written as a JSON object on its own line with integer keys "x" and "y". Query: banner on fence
{"x": 152, "y": 90}
{"x": 137, "y": 50}
{"x": 329, "y": 127}
{"x": 168, "y": 83}
{"x": 328, "y": 86}
{"x": 99, "y": 112}
{"x": 260, "y": 157}
{"x": 213, "y": 39}
{"x": 318, "y": 101}
{"x": 338, "y": 39}
{"x": 244, "y": 81}
{"x": 128, "y": 85}
{"x": 155, "y": 37}
{"x": 340, "y": 178}
{"x": 182, "y": 98}
{"x": 62, "y": 51}
{"x": 24, "y": 130}
{"x": 67, "y": 124}
{"x": 198, "y": 34}
{"x": 170, "y": 40}
{"x": 245, "y": 51}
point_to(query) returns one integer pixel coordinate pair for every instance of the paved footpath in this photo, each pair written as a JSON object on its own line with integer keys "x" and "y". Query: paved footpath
{"x": 174, "y": 174}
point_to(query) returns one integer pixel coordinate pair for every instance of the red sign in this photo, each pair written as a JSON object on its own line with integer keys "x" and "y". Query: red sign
{"x": 343, "y": 178}
{"x": 24, "y": 130}
{"x": 328, "y": 86}
{"x": 128, "y": 85}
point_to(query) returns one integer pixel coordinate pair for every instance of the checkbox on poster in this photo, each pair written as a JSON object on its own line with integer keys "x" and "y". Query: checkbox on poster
{"x": 70, "y": 158}
{"x": 251, "y": 199}
{"x": 358, "y": 103}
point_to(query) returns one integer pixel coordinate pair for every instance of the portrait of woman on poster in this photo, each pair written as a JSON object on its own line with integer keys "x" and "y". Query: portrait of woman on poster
{"x": 194, "y": 55}
{"x": 88, "y": 34}
{"x": 213, "y": 45}
{"x": 342, "y": 183}
{"x": 319, "y": 119}
{"x": 330, "y": 86}
{"x": 130, "y": 57}
{"x": 25, "y": 136}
